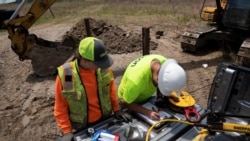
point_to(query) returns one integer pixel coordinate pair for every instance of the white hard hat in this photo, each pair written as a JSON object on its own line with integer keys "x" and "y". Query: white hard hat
{"x": 171, "y": 77}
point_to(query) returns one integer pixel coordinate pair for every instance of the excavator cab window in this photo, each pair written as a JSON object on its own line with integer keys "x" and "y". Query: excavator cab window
{"x": 5, "y": 14}
{"x": 237, "y": 14}
{"x": 209, "y": 13}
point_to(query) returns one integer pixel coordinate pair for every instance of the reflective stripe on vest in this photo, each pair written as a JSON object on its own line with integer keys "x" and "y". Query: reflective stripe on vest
{"x": 68, "y": 77}
{"x": 75, "y": 94}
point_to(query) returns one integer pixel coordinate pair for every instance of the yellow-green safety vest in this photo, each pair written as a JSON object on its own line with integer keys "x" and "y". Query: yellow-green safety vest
{"x": 75, "y": 94}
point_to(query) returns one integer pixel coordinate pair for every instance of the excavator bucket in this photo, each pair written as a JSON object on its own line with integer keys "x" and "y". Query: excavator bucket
{"x": 46, "y": 56}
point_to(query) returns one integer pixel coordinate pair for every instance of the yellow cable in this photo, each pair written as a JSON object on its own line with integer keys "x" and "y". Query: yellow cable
{"x": 165, "y": 120}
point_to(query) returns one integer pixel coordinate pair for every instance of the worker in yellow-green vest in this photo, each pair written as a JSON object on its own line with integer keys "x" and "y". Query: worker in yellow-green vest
{"x": 146, "y": 76}
{"x": 85, "y": 89}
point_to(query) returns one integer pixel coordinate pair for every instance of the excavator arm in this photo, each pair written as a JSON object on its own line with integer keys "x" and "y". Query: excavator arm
{"x": 45, "y": 55}
{"x": 21, "y": 41}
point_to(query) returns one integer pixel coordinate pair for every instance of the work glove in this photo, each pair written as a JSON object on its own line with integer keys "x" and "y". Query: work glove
{"x": 123, "y": 116}
{"x": 67, "y": 137}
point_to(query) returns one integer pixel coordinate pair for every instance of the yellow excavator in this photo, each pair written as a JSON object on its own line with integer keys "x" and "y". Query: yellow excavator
{"x": 228, "y": 26}
{"x": 45, "y": 55}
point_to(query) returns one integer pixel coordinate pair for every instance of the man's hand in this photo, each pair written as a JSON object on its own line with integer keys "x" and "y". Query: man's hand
{"x": 67, "y": 137}
{"x": 154, "y": 115}
{"x": 123, "y": 116}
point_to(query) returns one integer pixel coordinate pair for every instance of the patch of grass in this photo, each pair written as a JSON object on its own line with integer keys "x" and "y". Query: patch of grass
{"x": 121, "y": 11}
{"x": 130, "y": 9}
{"x": 163, "y": 10}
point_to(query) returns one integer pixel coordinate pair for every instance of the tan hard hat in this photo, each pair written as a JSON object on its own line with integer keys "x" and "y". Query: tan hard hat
{"x": 171, "y": 77}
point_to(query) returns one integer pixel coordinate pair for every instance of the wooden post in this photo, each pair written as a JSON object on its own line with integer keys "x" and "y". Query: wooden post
{"x": 145, "y": 41}
{"x": 87, "y": 27}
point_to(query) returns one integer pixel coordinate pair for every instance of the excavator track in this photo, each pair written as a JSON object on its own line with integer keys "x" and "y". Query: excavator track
{"x": 243, "y": 56}
{"x": 236, "y": 42}
{"x": 193, "y": 39}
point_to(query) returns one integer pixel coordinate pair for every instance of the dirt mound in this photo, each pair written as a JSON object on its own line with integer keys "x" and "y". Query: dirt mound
{"x": 117, "y": 40}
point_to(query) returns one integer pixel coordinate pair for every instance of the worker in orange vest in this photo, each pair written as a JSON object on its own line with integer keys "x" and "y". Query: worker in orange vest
{"x": 85, "y": 89}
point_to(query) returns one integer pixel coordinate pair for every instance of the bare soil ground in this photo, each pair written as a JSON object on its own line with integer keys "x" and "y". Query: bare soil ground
{"x": 27, "y": 101}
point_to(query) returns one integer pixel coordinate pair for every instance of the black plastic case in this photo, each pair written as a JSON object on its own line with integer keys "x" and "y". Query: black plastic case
{"x": 230, "y": 93}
